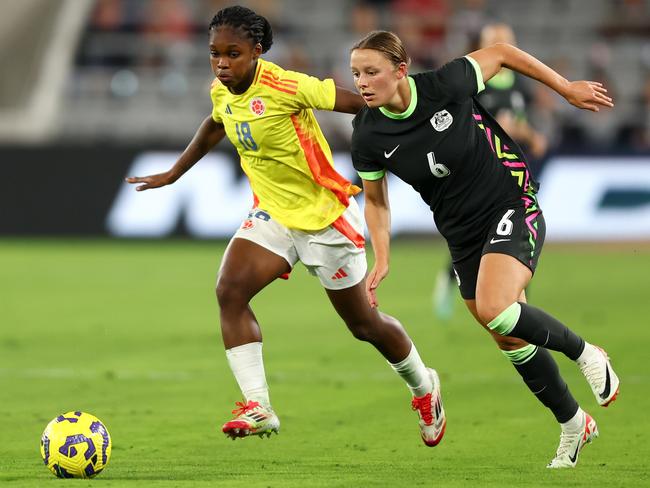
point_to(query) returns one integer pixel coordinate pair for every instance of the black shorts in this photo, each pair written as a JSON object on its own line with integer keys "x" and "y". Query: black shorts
{"x": 517, "y": 231}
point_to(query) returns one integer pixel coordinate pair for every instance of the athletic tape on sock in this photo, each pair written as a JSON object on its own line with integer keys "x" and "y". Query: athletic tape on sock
{"x": 504, "y": 322}
{"x": 521, "y": 355}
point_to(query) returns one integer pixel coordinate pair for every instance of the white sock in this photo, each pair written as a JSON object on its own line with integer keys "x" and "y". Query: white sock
{"x": 587, "y": 353}
{"x": 414, "y": 372}
{"x": 247, "y": 365}
{"x": 575, "y": 423}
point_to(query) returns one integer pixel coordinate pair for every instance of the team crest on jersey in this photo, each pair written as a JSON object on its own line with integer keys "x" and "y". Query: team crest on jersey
{"x": 257, "y": 106}
{"x": 441, "y": 120}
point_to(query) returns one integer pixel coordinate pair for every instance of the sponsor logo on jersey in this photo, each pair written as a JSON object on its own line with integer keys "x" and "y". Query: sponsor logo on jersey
{"x": 228, "y": 111}
{"x": 257, "y": 106}
{"x": 441, "y": 120}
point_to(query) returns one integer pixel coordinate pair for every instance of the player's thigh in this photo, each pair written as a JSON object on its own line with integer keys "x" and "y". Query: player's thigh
{"x": 509, "y": 258}
{"x": 336, "y": 254}
{"x": 259, "y": 252}
{"x": 466, "y": 260}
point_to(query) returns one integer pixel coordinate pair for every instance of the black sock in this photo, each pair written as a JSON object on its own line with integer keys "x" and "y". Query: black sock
{"x": 539, "y": 328}
{"x": 542, "y": 376}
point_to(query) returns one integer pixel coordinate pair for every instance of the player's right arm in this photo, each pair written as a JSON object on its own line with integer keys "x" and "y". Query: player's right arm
{"x": 377, "y": 214}
{"x": 206, "y": 137}
{"x": 348, "y": 102}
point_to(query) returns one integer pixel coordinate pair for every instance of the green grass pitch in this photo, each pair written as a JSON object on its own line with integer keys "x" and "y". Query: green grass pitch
{"x": 129, "y": 331}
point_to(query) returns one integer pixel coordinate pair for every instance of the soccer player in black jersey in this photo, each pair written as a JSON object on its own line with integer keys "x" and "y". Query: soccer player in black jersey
{"x": 429, "y": 130}
{"x": 506, "y": 97}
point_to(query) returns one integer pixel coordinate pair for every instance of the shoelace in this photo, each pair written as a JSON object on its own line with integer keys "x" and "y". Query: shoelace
{"x": 423, "y": 405}
{"x": 565, "y": 447}
{"x": 593, "y": 372}
{"x": 243, "y": 408}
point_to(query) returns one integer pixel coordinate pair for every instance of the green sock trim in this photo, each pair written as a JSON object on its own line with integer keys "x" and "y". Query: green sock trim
{"x": 506, "y": 320}
{"x": 522, "y": 355}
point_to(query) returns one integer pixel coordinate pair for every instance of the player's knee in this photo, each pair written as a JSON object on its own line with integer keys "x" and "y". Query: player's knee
{"x": 499, "y": 319}
{"x": 360, "y": 329}
{"x": 231, "y": 292}
{"x": 488, "y": 311}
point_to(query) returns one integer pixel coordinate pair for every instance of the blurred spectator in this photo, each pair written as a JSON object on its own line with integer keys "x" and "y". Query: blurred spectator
{"x": 628, "y": 17}
{"x": 601, "y": 129}
{"x": 465, "y": 24}
{"x": 638, "y": 134}
{"x": 108, "y": 18}
{"x": 422, "y": 27}
{"x": 507, "y": 97}
{"x": 167, "y": 27}
{"x": 363, "y": 18}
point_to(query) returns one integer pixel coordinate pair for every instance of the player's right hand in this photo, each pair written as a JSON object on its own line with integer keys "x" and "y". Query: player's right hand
{"x": 375, "y": 277}
{"x": 151, "y": 181}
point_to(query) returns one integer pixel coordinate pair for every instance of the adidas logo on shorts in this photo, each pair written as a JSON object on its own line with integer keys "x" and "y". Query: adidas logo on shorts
{"x": 340, "y": 274}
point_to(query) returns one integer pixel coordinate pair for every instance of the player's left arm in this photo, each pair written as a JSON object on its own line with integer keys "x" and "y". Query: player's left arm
{"x": 377, "y": 213}
{"x": 590, "y": 95}
{"x": 347, "y": 101}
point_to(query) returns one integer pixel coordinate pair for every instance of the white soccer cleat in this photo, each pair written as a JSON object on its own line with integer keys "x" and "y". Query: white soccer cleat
{"x": 572, "y": 443}
{"x": 432, "y": 415}
{"x": 599, "y": 374}
{"x": 251, "y": 419}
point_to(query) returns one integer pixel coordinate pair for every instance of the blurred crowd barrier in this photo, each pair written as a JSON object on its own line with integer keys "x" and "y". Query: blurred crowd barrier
{"x": 603, "y": 197}
{"x": 137, "y": 71}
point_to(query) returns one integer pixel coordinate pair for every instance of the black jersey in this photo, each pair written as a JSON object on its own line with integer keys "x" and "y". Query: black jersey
{"x": 448, "y": 148}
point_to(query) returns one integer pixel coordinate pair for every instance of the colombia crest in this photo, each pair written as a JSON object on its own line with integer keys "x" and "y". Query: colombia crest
{"x": 257, "y": 106}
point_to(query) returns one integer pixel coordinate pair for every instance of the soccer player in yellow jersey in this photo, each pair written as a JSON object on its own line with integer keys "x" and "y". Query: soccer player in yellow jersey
{"x": 303, "y": 211}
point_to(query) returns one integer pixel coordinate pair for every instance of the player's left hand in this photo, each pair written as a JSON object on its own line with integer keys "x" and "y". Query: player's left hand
{"x": 375, "y": 277}
{"x": 590, "y": 95}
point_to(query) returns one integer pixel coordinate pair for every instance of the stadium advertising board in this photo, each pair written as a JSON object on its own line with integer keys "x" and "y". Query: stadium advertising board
{"x": 81, "y": 191}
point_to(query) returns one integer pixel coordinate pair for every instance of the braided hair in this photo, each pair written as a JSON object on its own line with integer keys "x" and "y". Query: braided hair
{"x": 256, "y": 27}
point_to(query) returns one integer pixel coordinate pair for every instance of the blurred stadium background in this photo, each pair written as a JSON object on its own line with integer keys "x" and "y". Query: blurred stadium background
{"x": 124, "y": 324}
{"x": 93, "y": 90}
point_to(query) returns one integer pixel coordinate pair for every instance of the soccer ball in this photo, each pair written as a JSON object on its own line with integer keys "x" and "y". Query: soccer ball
{"x": 75, "y": 445}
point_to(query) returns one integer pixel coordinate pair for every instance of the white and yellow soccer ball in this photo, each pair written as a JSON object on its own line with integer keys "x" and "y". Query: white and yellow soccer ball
{"x": 76, "y": 445}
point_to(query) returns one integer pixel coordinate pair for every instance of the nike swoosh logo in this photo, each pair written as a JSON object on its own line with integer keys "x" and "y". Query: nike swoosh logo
{"x": 575, "y": 454}
{"x": 388, "y": 155}
{"x": 494, "y": 241}
{"x": 605, "y": 392}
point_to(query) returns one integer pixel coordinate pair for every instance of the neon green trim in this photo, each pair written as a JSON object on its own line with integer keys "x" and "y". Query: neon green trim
{"x": 411, "y": 108}
{"x": 372, "y": 175}
{"x": 479, "y": 74}
{"x": 521, "y": 355}
{"x": 503, "y": 80}
{"x": 506, "y": 320}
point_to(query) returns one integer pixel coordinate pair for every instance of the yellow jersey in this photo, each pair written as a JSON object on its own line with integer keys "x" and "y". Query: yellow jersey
{"x": 282, "y": 149}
